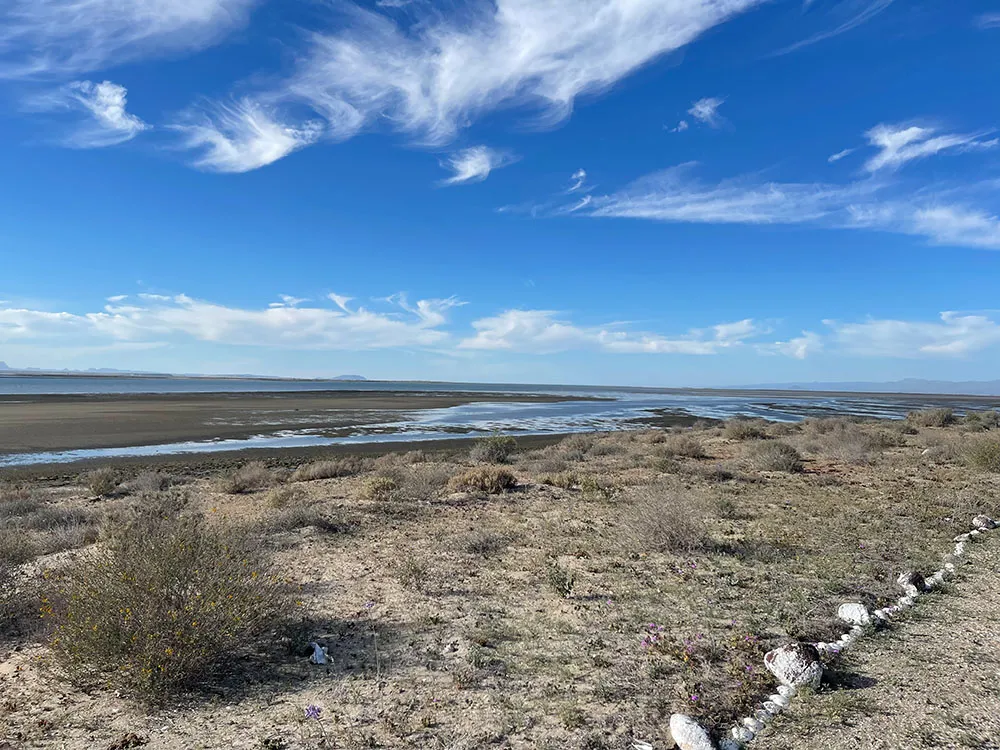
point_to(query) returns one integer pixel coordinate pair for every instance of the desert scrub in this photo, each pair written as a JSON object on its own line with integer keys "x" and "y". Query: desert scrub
{"x": 333, "y": 469}
{"x": 489, "y": 479}
{"x": 662, "y": 518}
{"x": 379, "y": 489}
{"x": 564, "y": 479}
{"x": 982, "y": 453}
{"x": 680, "y": 445}
{"x": 495, "y": 449}
{"x": 850, "y": 443}
{"x": 561, "y": 580}
{"x": 101, "y": 481}
{"x": 151, "y": 481}
{"x": 249, "y": 477}
{"x": 165, "y": 605}
{"x": 773, "y": 455}
{"x": 745, "y": 429}
{"x": 931, "y": 417}
{"x": 286, "y": 496}
{"x": 977, "y": 421}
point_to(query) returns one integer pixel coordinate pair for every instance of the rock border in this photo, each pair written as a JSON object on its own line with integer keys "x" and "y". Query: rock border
{"x": 798, "y": 665}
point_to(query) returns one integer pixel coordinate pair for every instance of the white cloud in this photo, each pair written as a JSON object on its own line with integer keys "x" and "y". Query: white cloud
{"x": 579, "y": 178}
{"x": 850, "y": 15}
{"x": 840, "y": 155}
{"x": 942, "y": 224}
{"x": 542, "y": 332}
{"x": 799, "y": 347}
{"x": 118, "y": 298}
{"x": 108, "y": 123}
{"x": 705, "y": 111}
{"x": 243, "y": 136}
{"x": 681, "y": 127}
{"x": 956, "y": 334}
{"x": 989, "y": 21}
{"x": 899, "y": 144}
{"x": 474, "y": 164}
{"x": 47, "y": 37}
{"x": 437, "y": 75}
{"x": 289, "y": 327}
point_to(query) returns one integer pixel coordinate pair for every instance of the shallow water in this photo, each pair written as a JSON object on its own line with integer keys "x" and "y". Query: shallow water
{"x": 624, "y": 409}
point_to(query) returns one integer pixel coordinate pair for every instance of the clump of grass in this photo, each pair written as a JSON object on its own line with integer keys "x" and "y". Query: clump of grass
{"x": 413, "y": 573}
{"x": 167, "y": 604}
{"x": 379, "y": 489}
{"x": 674, "y": 446}
{"x": 495, "y": 449}
{"x": 492, "y": 480}
{"x": 564, "y": 479}
{"x": 661, "y": 518}
{"x": 151, "y": 481}
{"x": 978, "y": 421}
{"x": 595, "y": 486}
{"x": 303, "y": 516}
{"x": 485, "y": 543}
{"x": 560, "y": 579}
{"x": 101, "y": 481}
{"x": 773, "y": 456}
{"x": 348, "y": 466}
{"x": 848, "y": 442}
{"x": 575, "y": 447}
{"x": 288, "y": 495}
{"x": 249, "y": 477}
{"x": 421, "y": 484}
{"x": 16, "y": 547}
{"x": 745, "y": 429}
{"x": 982, "y": 453}
{"x": 931, "y": 417}
{"x": 18, "y": 500}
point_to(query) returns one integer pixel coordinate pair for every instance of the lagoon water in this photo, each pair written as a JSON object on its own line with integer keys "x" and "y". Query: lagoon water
{"x": 618, "y": 408}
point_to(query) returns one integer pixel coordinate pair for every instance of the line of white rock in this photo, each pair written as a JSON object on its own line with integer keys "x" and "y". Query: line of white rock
{"x": 799, "y": 665}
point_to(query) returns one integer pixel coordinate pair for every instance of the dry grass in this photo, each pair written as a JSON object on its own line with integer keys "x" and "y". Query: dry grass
{"x": 496, "y": 449}
{"x": 489, "y": 479}
{"x": 102, "y": 481}
{"x": 745, "y": 429}
{"x": 152, "y": 481}
{"x": 331, "y": 469}
{"x": 681, "y": 445}
{"x": 664, "y": 518}
{"x": 931, "y": 417}
{"x": 772, "y": 455}
{"x": 982, "y": 453}
{"x": 248, "y": 478}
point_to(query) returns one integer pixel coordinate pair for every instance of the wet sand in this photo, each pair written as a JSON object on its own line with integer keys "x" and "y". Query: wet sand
{"x": 30, "y": 424}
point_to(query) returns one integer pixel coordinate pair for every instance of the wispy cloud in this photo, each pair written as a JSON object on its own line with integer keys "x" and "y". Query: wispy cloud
{"x": 840, "y": 155}
{"x": 434, "y": 76}
{"x": 108, "y": 122}
{"x": 707, "y": 111}
{"x": 988, "y": 21}
{"x": 63, "y": 37}
{"x": 954, "y": 334}
{"x": 681, "y": 127}
{"x": 845, "y": 16}
{"x": 579, "y": 180}
{"x": 286, "y": 327}
{"x": 474, "y": 164}
{"x": 899, "y": 144}
{"x": 242, "y": 136}
{"x": 544, "y": 332}
{"x": 800, "y": 347}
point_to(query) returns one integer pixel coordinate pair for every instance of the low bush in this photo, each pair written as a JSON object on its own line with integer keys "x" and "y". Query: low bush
{"x": 773, "y": 456}
{"x": 165, "y": 605}
{"x": 982, "y": 453}
{"x": 485, "y": 543}
{"x": 496, "y": 449}
{"x": 348, "y": 466}
{"x": 564, "y": 479}
{"x": 151, "y": 481}
{"x": 848, "y": 442}
{"x": 931, "y": 417}
{"x": 661, "y": 518}
{"x": 574, "y": 448}
{"x": 303, "y": 516}
{"x": 977, "y": 421}
{"x": 101, "y": 481}
{"x": 489, "y": 479}
{"x": 745, "y": 429}
{"x": 249, "y": 477}
{"x": 379, "y": 489}
{"x": 680, "y": 445}
{"x": 288, "y": 495}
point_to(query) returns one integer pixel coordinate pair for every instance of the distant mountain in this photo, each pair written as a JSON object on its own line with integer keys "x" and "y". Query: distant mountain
{"x": 907, "y": 385}
{"x": 111, "y": 372}
{"x": 350, "y": 377}
{"x": 3, "y": 366}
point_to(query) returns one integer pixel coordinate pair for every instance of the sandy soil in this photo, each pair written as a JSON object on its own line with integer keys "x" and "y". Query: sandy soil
{"x": 522, "y": 620}
{"x": 56, "y": 423}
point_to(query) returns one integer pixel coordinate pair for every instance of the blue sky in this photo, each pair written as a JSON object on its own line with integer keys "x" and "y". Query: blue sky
{"x": 651, "y": 192}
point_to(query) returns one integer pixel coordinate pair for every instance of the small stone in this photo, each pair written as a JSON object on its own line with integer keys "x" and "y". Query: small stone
{"x": 984, "y": 522}
{"x": 689, "y": 734}
{"x": 774, "y": 708}
{"x": 319, "y": 654}
{"x": 742, "y": 734}
{"x": 764, "y": 716}
{"x": 778, "y": 700}
{"x": 950, "y": 567}
{"x": 961, "y": 538}
{"x": 728, "y": 743}
{"x": 795, "y": 664}
{"x": 753, "y": 724}
{"x": 854, "y": 613}
{"x": 911, "y": 582}
{"x": 974, "y": 533}
{"x": 639, "y": 745}
{"x": 880, "y": 614}
{"x": 959, "y": 549}
{"x": 789, "y": 691}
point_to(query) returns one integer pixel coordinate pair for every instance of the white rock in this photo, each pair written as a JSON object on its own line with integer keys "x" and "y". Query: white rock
{"x": 319, "y": 654}
{"x": 950, "y": 567}
{"x": 764, "y": 716}
{"x": 753, "y": 725}
{"x": 984, "y": 522}
{"x": 774, "y": 708}
{"x": 689, "y": 734}
{"x": 795, "y": 664}
{"x": 961, "y": 538}
{"x": 974, "y": 533}
{"x": 742, "y": 734}
{"x": 789, "y": 691}
{"x": 911, "y": 582}
{"x": 640, "y": 745}
{"x": 778, "y": 700}
{"x": 728, "y": 743}
{"x": 959, "y": 549}
{"x": 854, "y": 613}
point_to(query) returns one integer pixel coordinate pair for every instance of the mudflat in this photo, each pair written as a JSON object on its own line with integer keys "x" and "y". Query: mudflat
{"x": 37, "y": 423}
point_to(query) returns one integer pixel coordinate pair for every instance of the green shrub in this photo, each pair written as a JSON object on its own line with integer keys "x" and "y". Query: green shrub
{"x": 101, "y": 481}
{"x": 662, "y": 519}
{"x": 489, "y": 479}
{"x": 496, "y": 449}
{"x": 773, "y": 456}
{"x": 249, "y": 477}
{"x": 379, "y": 489}
{"x": 165, "y": 605}
{"x": 982, "y": 420}
{"x": 333, "y": 469}
{"x": 931, "y": 417}
{"x": 745, "y": 429}
{"x": 983, "y": 454}
{"x": 560, "y": 579}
